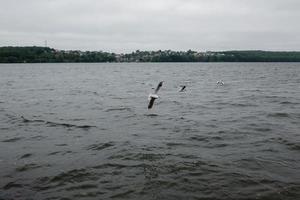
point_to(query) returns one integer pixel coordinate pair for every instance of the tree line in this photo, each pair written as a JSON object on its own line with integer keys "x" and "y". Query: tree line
{"x": 49, "y": 55}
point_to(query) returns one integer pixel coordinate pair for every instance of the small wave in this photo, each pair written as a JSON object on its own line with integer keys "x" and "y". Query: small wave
{"x": 187, "y": 156}
{"x": 122, "y": 195}
{"x": 193, "y": 166}
{"x": 119, "y": 166}
{"x": 41, "y": 89}
{"x": 82, "y": 187}
{"x": 218, "y": 145}
{"x": 60, "y": 152}
{"x": 137, "y": 156}
{"x": 91, "y": 92}
{"x": 77, "y": 119}
{"x": 118, "y": 98}
{"x": 71, "y": 176}
{"x": 180, "y": 144}
{"x": 279, "y": 115}
{"x": 27, "y": 155}
{"x": 118, "y": 109}
{"x": 15, "y": 139}
{"x": 288, "y": 103}
{"x": 198, "y": 138}
{"x": 243, "y": 105}
{"x": 171, "y": 144}
{"x": 28, "y": 167}
{"x": 295, "y": 145}
{"x": 296, "y": 115}
{"x": 260, "y": 161}
{"x": 53, "y": 153}
{"x": 151, "y": 115}
{"x": 61, "y": 145}
{"x": 292, "y": 145}
{"x": 100, "y": 146}
{"x": 38, "y": 137}
{"x": 149, "y": 156}
{"x": 176, "y": 102}
{"x": 87, "y": 195}
{"x": 110, "y": 165}
{"x": 12, "y": 185}
{"x": 12, "y": 118}
{"x": 67, "y": 125}
{"x": 261, "y": 129}
{"x": 28, "y": 120}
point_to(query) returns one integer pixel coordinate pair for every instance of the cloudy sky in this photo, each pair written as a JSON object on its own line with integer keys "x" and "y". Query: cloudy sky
{"x": 127, "y": 25}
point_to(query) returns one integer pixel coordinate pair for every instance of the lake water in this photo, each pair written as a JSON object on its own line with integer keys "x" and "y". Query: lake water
{"x": 83, "y": 131}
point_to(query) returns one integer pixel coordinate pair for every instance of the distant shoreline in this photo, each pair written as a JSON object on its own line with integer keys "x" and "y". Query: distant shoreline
{"x": 49, "y": 55}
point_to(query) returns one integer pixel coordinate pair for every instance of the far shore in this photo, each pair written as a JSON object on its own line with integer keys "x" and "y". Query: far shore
{"x": 49, "y": 55}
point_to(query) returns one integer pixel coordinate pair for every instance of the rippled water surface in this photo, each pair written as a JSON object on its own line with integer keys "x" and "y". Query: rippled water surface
{"x": 83, "y": 131}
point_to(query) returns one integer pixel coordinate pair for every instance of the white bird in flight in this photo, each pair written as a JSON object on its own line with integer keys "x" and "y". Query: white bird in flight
{"x": 220, "y": 83}
{"x": 154, "y": 96}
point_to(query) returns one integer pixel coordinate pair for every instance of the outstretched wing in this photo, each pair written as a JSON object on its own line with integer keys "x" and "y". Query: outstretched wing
{"x": 151, "y": 102}
{"x": 158, "y": 87}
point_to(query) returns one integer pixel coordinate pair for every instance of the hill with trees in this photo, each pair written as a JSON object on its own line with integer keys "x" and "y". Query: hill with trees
{"x": 49, "y": 55}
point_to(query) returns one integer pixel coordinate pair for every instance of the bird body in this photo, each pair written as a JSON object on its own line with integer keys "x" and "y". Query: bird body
{"x": 155, "y": 96}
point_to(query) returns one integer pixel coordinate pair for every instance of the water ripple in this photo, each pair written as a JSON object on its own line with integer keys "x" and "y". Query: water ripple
{"x": 86, "y": 132}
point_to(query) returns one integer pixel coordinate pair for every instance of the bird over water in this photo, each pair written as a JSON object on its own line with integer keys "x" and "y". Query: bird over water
{"x": 154, "y": 96}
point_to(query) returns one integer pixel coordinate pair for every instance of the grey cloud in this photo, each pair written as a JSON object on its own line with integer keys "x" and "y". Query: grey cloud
{"x": 127, "y": 25}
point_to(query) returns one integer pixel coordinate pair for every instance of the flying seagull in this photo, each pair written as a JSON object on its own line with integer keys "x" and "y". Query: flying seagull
{"x": 220, "y": 83}
{"x": 182, "y": 88}
{"x": 154, "y": 96}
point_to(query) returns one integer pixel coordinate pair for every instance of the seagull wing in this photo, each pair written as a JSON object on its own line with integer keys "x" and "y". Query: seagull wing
{"x": 151, "y": 102}
{"x": 182, "y": 88}
{"x": 158, "y": 87}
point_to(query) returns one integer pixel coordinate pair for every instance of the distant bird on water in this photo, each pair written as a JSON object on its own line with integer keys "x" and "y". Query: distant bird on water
{"x": 154, "y": 96}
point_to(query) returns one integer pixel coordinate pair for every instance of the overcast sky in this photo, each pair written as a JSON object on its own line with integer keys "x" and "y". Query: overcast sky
{"x": 127, "y": 25}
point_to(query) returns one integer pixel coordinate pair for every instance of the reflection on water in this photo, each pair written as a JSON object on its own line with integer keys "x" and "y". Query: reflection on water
{"x": 83, "y": 131}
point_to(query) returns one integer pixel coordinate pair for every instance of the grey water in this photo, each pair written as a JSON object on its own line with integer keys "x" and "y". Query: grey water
{"x": 83, "y": 131}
